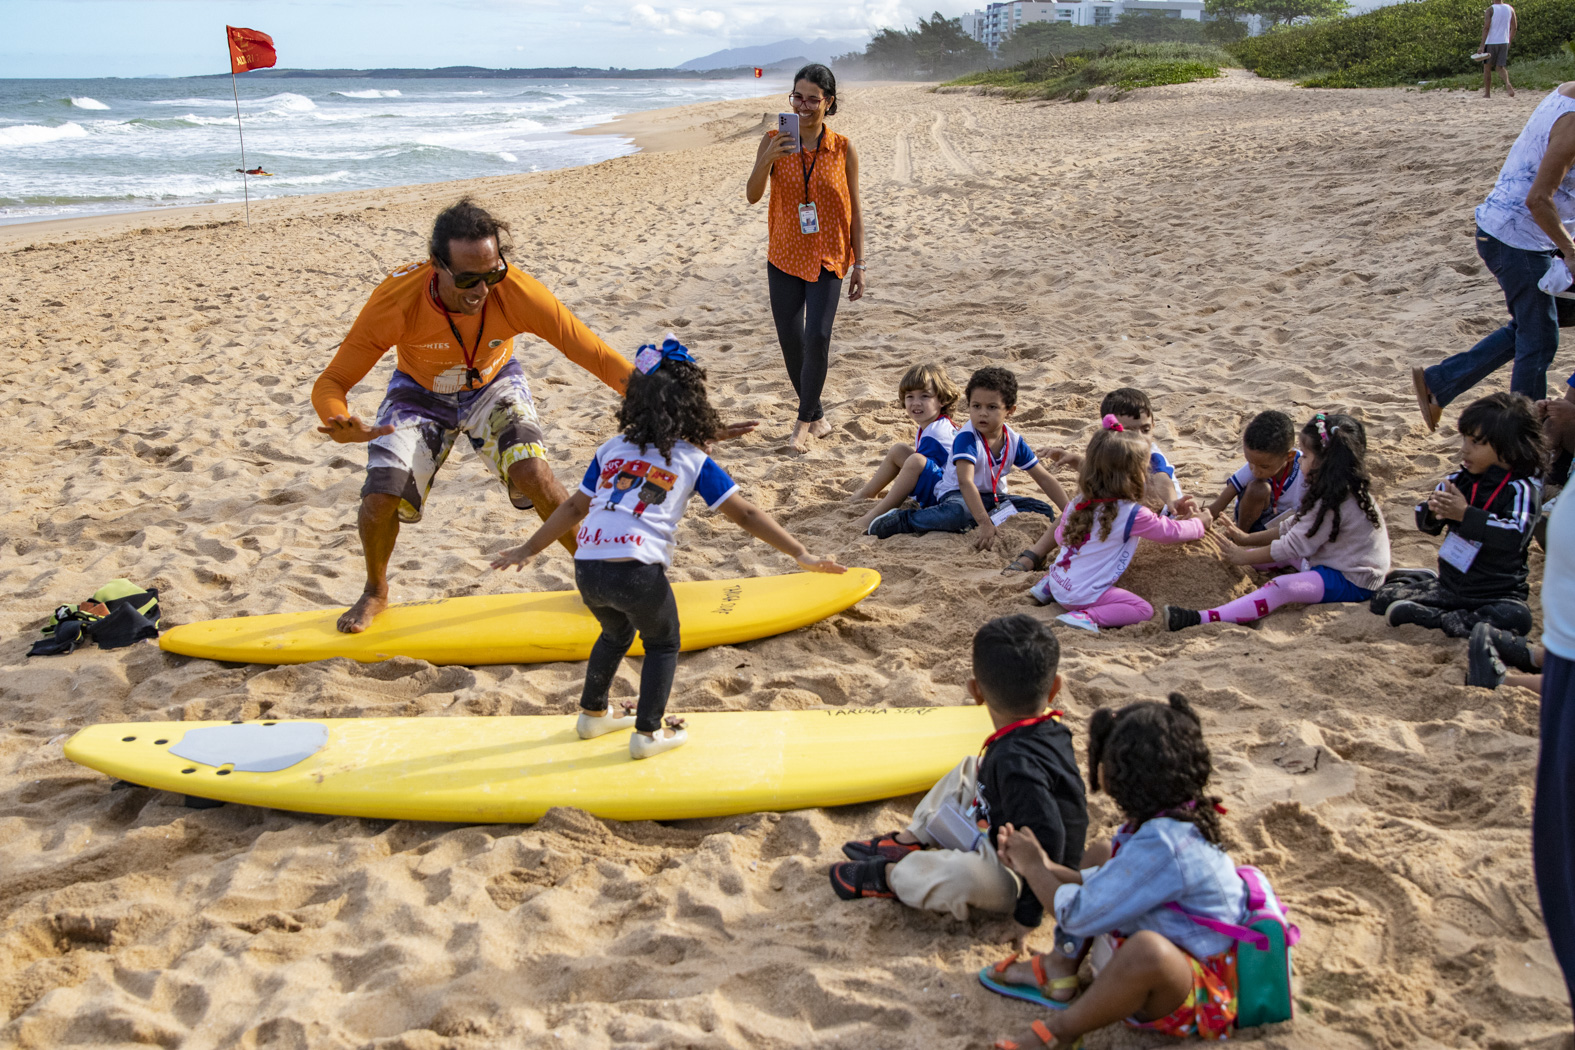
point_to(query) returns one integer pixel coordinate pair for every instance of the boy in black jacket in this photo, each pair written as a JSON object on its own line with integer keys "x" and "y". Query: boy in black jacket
{"x": 1489, "y": 508}
{"x": 1027, "y": 776}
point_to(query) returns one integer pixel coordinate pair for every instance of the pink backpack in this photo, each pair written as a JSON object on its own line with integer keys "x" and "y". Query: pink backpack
{"x": 1263, "y": 952}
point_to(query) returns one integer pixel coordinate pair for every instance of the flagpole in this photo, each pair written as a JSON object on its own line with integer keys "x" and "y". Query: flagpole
{"x": 245, "y": 188}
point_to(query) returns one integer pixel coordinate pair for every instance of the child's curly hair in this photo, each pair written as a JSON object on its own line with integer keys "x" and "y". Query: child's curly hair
{"x": 1339, "y": 470}
{"x": 933, "y": 379}
{"x": 666, "y": 406}
{"x": 1115, "y": 467}
{"x": 1509, "y": 423}
{"x": 1157, "y": 762}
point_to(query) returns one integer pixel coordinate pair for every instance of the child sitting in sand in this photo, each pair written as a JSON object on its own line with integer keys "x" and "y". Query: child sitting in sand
{"x": 1027, "y": 777}
{"x": 928, "y": 395}
{"x": 1336, "y": 537}
{"x": 972, "y": 490}
{"x": 1488, "y": 508}
{"x": 1135, "y": 413}
{"x": 630, "y": 501}
{"x": 1272, "y": 479}
{"x": 1151, "y": 890}
{"x": 1100, "y": 533}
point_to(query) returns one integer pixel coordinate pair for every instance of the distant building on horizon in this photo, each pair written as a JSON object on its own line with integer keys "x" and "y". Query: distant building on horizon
{"x": 993, "y": 24}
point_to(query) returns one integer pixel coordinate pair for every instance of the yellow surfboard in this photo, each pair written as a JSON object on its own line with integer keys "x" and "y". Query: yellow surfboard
{"x": 513, "y": 769}
{"x": 522, "y": 628}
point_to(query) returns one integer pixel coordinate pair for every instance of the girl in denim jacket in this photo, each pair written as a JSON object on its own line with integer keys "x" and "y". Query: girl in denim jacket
{"x": 1168, "y": 973}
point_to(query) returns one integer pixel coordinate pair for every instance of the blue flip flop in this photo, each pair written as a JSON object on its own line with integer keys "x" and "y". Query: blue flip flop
{"x": 1027, "y": 993}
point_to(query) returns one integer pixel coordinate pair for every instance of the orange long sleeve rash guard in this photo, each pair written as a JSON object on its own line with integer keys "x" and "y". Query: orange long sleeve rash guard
{"x": 402, "y": 314}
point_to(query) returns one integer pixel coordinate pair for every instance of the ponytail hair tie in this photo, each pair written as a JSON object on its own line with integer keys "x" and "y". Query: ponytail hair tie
{"x": 1110, "y": 423}
{"x": 1320, "y": 421}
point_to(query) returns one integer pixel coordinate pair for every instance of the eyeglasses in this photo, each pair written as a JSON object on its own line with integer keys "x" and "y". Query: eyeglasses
{"x": 470, "y": 280}
{"x": 805, "y": 100}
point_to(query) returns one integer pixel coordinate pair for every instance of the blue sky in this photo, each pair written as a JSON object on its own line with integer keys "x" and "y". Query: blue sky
{"x": 87, "y": 38}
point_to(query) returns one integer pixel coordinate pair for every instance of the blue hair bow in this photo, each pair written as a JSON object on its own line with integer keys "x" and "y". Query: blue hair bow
{"x": 650, "y": 357}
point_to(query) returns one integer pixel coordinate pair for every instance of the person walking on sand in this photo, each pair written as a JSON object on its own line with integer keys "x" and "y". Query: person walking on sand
{"x": 1498, "y": 30}
{"x": 1522, "y": 225}
{"x": 453, "y": 320}
{"x": 816, "y": 238}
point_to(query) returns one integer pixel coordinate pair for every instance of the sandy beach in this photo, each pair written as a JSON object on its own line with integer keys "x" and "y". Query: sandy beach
{"x": 1228, "y": 246}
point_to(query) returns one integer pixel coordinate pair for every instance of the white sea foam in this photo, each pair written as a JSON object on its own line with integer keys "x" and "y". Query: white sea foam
{"x": 369, "y": 93}
{"x": 33, "y": 134}
{"x": 87, "y": 103}
{"x": 286, "y": 102}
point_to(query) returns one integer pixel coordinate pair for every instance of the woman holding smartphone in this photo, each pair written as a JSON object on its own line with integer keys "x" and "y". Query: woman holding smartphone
{"x": 816, "y": 238}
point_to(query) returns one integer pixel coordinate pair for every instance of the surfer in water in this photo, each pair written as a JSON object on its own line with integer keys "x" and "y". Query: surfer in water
{"x": 453, "y": 320}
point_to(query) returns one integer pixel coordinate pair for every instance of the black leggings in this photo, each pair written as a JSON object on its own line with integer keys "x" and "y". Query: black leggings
{"x": 1450, "y": 612}
{"x": 629, "y": 596}
{"x": 804, "y": 312}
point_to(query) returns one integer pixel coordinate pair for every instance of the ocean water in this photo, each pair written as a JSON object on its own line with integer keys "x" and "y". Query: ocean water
{"x": 82, "y": 147}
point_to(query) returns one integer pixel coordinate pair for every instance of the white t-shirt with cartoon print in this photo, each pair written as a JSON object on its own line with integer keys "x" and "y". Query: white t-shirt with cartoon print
{"x": 637, "y": 499}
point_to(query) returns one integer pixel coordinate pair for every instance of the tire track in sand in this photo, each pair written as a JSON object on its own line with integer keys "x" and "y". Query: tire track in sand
{"x": 949, "y": 153}
{"x": 902, "y": 157}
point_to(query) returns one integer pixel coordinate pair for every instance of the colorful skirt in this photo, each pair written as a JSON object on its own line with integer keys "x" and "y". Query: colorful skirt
{"x": 1209, "y": 1011}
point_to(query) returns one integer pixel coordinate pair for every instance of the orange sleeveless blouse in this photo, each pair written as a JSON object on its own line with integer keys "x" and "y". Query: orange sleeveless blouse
{"x": 794, "y": 252}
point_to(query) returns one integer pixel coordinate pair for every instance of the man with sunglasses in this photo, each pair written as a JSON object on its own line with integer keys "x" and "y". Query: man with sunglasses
{"x": 453, "y": 321}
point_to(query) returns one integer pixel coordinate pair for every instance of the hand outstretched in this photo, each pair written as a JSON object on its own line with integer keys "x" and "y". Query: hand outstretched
{"x": 350, "y": 430}
{"x": 515, "y": 558}
{"x": 811, "y": 563}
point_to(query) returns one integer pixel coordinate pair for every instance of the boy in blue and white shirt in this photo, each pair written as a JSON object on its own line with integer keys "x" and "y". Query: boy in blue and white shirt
{"x": 972, "y": 492}
{"x": 1272, "y": 480}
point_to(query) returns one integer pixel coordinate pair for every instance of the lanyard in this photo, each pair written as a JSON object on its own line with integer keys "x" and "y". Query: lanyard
{"x": 1277, "y": 485}
{"x": 472, "y": 373}
{"x": 821, "y": 138}
{"x": 1472, "y": 502}
{"x": 989, "y": 458}
{"x": 1020, "y": 724}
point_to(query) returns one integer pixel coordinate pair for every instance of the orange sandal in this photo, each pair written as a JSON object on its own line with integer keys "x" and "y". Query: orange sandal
{"x": 1046, "y": 1038}
{"x": 1038, "y": 993}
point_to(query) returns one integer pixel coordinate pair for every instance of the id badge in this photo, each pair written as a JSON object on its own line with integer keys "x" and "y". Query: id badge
{"x": 1001, "y": 512}
{"x": 808, "y": 221}
{"x": 1459, "y": 551}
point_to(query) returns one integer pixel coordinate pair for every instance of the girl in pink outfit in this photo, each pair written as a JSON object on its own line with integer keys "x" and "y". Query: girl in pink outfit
{"x": 1336, "y": 537}
{"x": 1100, "y": 532}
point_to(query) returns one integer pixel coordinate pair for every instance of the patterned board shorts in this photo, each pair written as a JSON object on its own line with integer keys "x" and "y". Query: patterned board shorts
{"x": 500, "y": 420}
{"x": 1210, "y": 1009}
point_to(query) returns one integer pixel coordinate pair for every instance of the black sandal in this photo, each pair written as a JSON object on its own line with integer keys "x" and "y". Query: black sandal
{"x": 1035, "y": 563}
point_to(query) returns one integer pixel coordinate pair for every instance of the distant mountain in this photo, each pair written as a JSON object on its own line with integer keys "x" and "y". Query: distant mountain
{"x": 781, "y": 52}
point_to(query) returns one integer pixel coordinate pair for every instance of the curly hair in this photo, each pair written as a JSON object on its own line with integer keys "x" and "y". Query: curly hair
{"x": 465, "y": 220}
{"x": 1115, "y": 467}
{"x": 667, "y": 406}
{"x": 1157, "y": 761}
{"x": 1273, "y": 432}
{"x": 933, "y": 379}
{"x": 1339, "y": 469}
{"x": 1509, "y": 423}
{"x": 1001, "y": 380}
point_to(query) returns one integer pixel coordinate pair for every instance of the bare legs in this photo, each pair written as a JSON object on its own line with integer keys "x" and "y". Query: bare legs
{"x": 901, "y": 469}
{"x": 378, "y": 524}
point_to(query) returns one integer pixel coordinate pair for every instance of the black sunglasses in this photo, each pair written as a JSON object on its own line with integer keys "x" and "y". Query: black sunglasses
{"x": 470, "y": 280}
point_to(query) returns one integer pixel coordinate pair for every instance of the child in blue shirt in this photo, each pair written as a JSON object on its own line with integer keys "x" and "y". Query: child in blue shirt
{"x": 1163, "y": 871}
{"x": 972, "y": 490}
{"x": 928, "y": 395}
{"x": 627, "y": 508}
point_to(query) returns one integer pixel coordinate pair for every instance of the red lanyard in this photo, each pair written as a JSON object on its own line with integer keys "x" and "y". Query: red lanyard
{"x": 1277, "y": 485}
{"x": 989, "y": 458}
{"x": 472, "y": 373}
{"x": 1021, "y": 723}
{"x": 1472, "y": 502}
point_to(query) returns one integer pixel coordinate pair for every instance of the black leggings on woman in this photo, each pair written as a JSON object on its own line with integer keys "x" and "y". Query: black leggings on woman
{"x": 629, "y": 596}
{"x": 804, "y": 311}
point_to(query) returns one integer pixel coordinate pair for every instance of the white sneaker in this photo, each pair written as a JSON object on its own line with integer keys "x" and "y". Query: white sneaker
{"x": 642, "y": 746}
{"x": 1081, "y": 620}
{"x": 1479, "y": 56}
{"x": 590, "y": 726}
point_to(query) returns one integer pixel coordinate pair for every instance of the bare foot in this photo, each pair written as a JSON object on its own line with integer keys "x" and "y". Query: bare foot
{"x": 819, "y": 428}
{"x": 1055, "y": 965}
{"x": 800, "y": 439}
{"x": 358, "y": 617}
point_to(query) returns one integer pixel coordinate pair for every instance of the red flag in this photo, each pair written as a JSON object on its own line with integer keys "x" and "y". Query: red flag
{"x": 759, "y": 72}
{"x": 250, "y": 49}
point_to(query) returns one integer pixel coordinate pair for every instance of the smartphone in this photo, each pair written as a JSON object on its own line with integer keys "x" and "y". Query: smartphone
{"x": 787, "y": 124}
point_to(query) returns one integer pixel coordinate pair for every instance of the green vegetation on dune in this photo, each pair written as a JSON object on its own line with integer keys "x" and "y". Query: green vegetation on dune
{"x": 1402, "y": 44}
{"x": 1123, "y": 66}
{"x": 1536, "y": 74}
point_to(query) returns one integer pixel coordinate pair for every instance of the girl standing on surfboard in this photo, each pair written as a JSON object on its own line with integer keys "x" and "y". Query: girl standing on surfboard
{"x": 627, "y": 507}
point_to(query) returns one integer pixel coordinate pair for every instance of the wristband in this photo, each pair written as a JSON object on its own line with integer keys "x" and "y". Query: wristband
{"x": 858, "y": 266}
